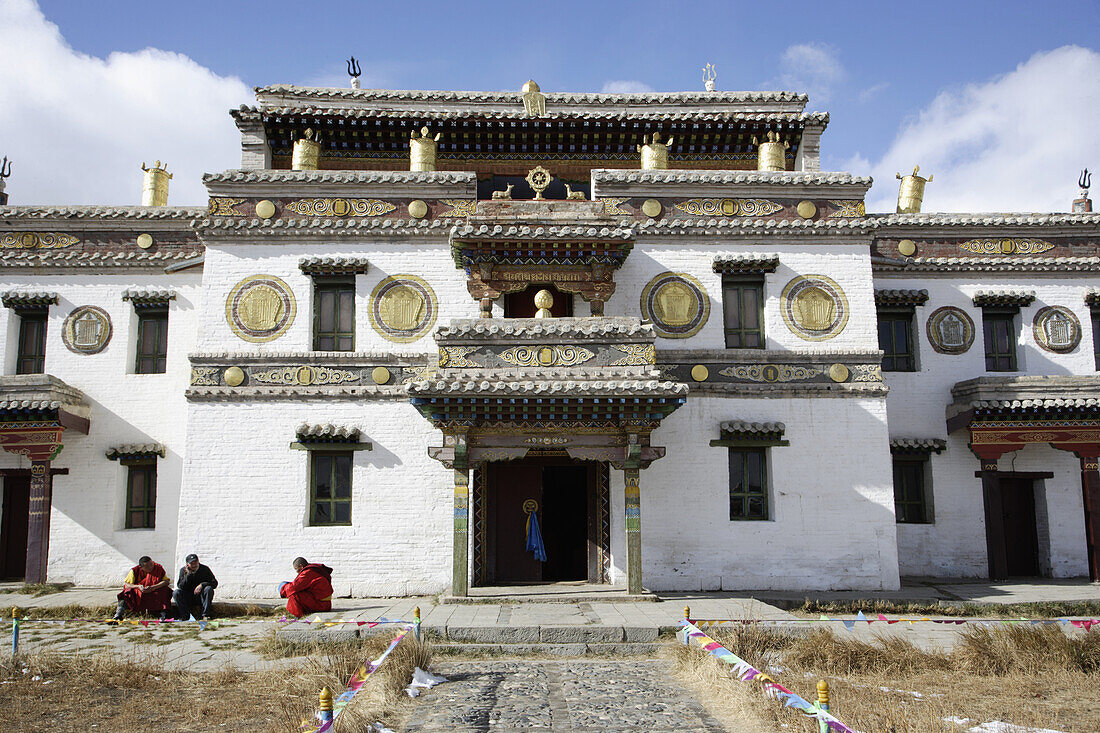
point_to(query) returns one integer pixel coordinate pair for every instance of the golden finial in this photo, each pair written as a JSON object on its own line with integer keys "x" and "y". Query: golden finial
{"x": 544, "y": 300}
{"x": 771, "y": 152}
{"x": 654, "y": 152}
{"x": 422, "y": 150}
{"x": 687, "y": 613}
{"x": 534, "y": 101}
{"x": 325, "y": 699}
{"x": 154, "y": 190}
{"x": 306, "y": 155}
{"x": 911, "y": 191}
{"x": 823, "y": 693}
{"x": 710, "y": 75}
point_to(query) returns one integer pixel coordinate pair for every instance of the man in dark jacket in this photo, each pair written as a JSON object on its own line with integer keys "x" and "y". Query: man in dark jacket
{"x": 194, "y": 593}
{"x": 310, "y": 591}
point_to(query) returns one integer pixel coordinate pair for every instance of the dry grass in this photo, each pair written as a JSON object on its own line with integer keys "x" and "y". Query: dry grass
{"x": 77, "y": 610}
{"x": 1044, "y": 609}
{"x": 1025, "y": 675}
{"x": 37, "y": 590}
{"x": 137, "y": 692}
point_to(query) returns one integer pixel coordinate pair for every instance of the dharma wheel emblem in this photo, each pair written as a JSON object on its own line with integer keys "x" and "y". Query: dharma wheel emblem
{"x": 539, "y": 178}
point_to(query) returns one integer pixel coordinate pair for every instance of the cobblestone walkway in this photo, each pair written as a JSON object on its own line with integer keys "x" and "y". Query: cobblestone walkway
{"x": 575, "y": 695}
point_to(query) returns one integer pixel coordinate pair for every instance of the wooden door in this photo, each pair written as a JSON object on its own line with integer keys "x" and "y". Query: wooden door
{"x": 13, "y": 527}
{"x": 565, "y": 490}
{"x": 509, "y": 485}
{"x": 1020, "y": 535}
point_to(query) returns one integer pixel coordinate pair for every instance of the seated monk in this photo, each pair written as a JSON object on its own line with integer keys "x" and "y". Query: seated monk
{"x": 310, "y": 591}
{"x": 145, "y": 589}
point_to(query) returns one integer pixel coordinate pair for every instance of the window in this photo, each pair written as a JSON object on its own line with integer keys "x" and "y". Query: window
{"x": 748, "y": 483}
{"x": 334, "y": 314}
{"x": 895, "y": 338}
{"x": 743, "y": 304}
{"x": 31, "y": 356}
{"x": 141, "y": 495}
{"x": 152, "y": 345}
{"x": 1096, "y": 337}
{"x": 330, "y": 487}
{"x": 999, "y": 328}
{"x": 910, "y": 498}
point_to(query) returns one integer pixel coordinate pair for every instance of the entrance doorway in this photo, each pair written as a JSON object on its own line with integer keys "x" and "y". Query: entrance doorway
{"x": 1018, "y": 517}
{"x": 13, "y": 527}
{"x": 573, "y": 517}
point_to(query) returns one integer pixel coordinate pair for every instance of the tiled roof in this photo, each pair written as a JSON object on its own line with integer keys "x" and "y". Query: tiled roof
{"x": 917, "y": 445}
{"x": 545, "y": 233}
{"x": 182, "y": 213}
{"x": 1044, "y": 404}
{"x": 755, "y": 226}
{"x": 545, "y": 387}
{"x": 751, "y": 429}
{"x": 360, "y": 177}
{"x": 24, "y": 298}
{"x": 1010, "y": 298}
{"x": 322, "y": 226}
{"x": 995, "y": 264}
{"x": 147, "y": 297}
{"x": 333, "y": 265}
{"x": 771, "y": 178}
{"x": 136, "y": 450}
{"x": 567, "y": 328}
{"x": 137, "y": 258}
{"x": 330, "y": 431}
{"x": 936, "y": 219}
{"x": 745, "y": 263}
{"x": 552, "y": 113}
{"x": 30, "y": 405}
{"x": 901, "y": 297}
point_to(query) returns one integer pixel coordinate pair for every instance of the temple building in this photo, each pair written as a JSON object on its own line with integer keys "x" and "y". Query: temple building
{"x": 417, "y": 330}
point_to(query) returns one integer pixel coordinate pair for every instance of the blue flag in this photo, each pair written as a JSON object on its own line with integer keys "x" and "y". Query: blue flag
{"x": 534, "y": 537}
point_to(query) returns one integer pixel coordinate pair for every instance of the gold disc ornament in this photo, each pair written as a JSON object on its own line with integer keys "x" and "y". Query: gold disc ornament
{"x": 260, "y": 308}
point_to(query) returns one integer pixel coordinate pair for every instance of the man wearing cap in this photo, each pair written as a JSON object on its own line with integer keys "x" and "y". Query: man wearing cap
{"x": 194, "y": 593}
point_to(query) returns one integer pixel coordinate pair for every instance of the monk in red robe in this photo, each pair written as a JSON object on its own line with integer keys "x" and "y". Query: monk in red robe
{"x": 145, "y": 589}
{"x": 310, "y": 591}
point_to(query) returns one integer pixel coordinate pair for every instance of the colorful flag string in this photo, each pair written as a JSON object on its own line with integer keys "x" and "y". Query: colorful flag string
{"x": 1085, "y": 624}
{"x": 354, "y": 685}
{"x": 747, "y": 673}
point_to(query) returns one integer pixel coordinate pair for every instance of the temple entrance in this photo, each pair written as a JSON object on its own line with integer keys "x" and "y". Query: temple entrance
{"x": 571, "y": 497}
{"x": 13, "y": 527}
{"x": 1018, "y": 516}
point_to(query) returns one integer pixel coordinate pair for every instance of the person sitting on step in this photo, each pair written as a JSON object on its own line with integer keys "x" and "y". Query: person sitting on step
{"x": 310, "y": 591}
{"x": 145, "y": 589}
{"x": 194, "y": 593}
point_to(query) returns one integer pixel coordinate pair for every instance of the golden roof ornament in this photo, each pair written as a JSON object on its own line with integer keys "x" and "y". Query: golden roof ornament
{"x": 710, "y": 75}
{"x": 307, "y": 152}
{"x": 354, "y": 71}
{"x": 544, "y": 300}
{"x": 654, "y": 152}
{"x": 534, "y": 101}
{"x": 911, "y": 192}
{"x": 154, "y": 191}
{"x": 771, "y": 153}
{"x": 539, "y": 178}
{"x": 423, "y": 149}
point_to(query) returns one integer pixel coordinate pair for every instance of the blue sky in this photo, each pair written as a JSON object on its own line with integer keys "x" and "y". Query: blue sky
{"x": 881, "y": 69}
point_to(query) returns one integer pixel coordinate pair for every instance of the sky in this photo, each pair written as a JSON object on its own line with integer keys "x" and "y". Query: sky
{"x": 999, "y": 101}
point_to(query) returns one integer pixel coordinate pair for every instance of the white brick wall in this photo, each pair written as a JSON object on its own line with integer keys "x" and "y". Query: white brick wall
{"x": 88, "y": 542}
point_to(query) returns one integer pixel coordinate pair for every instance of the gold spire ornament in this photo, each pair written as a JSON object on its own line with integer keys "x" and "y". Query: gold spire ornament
{"x": 534, "y": 101}
{"x": 654, "y": 152}
{"x": 154, "y": 191}
{"x": 539, "y": 178}
{"x": 911, "y": 192}
{"x": 771, "y": 152}
{"x": 422, "y": 150}
{"x": 307, "y": 152}
{"x": 544, "y": 300}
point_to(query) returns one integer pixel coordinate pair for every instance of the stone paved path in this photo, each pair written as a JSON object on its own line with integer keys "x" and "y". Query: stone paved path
{"x": 575, "y": 695}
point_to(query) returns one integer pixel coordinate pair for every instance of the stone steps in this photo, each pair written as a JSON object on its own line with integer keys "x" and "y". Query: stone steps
{"x": 610, "y": 649}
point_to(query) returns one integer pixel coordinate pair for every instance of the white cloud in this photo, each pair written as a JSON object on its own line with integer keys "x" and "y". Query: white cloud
{"x": 78, "y": 127}
{"x": 872, "y": 91}
{"x": 810, "y": 68}
{"x": 625, "y": 87}
{"x": 1014, "y": 143}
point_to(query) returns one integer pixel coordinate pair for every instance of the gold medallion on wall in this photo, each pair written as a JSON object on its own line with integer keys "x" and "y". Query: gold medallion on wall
{"x": 1056, "y": 329}
{"x": 87, "y": 330}
{"x": 260, "y": 308}
{"x": 676, "y": 303}
{"x": 814, "y": 307}
{"x": 950, "y": 330}
{"x": 403, "y": 308}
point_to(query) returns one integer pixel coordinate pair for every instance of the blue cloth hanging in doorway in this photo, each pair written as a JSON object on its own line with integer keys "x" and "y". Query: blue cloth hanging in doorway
{"x": 534, "y": 537}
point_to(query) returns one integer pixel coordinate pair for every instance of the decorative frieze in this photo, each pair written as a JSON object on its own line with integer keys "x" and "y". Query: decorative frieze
{"x": 772, "y": 373}
{"x": 635, "y": 355}
{"x": 457, "y": 357}
{"x": 613, "y": 207}
{"x": 460, "y": 208}
{"x": 845, "y": 209}
{"x": 37, "y": 240}
{"x": 1006, "y": 246}
{"x": 340, "y": 207}
{"x": 305, "y": 376}
{"x": 224, "y": 206}
{"x": 729, "y": 207}
{"x": 546, "y": 356}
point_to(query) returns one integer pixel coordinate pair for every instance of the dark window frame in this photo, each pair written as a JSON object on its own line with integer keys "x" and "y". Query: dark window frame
{"x": 147, "y": 509}
{"x": 341, "y": 334}
{"x": 741, "y": 501}
{"x": 1000, "y": 361}
{"x": 33, "y": 362}
{"x": 332, "y": 503}
{"x": 913, "y": 498}
{"x": 734, "y": 288}
{"x": 893, "y": 358}
{"x": 152, "y": 360}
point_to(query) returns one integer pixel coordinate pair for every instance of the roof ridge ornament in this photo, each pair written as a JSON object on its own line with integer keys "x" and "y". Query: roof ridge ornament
{"x": 654, "y": 152}
{"x": 5, "y": 172}
{"x": 354, "y": 71}
{"x": 710, "y": 76}
{"x": 911, "y": 192}
{"x": 155, "y": 189}
{"x": 771, "y": 152}
{"x": 1081, "y": 205}
{"x": 534, "y": 101}
{"x": 422, "y": 150}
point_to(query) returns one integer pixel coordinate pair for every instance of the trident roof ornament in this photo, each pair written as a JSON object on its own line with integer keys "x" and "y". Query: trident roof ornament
{"x": 354, "y": 71}
{"x": 710, "y": 75}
